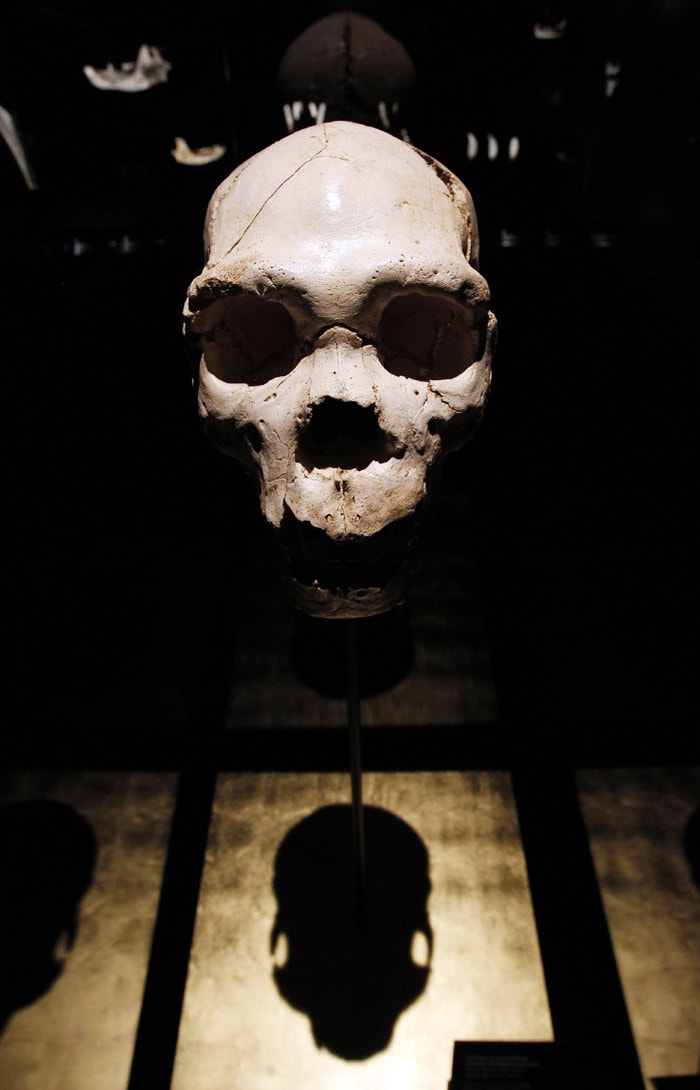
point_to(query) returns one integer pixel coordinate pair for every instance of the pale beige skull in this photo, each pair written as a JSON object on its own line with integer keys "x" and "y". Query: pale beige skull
{"x": 346, "y": 343}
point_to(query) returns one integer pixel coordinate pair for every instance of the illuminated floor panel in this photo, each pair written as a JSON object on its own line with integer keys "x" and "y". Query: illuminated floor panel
{"x": 238, "y": 1031}
{"x": 637, "y": 819}
{"x": 79, "y": 1034}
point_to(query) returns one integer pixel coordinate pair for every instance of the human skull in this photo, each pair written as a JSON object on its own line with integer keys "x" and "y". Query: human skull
{"x": 345, "y": 344}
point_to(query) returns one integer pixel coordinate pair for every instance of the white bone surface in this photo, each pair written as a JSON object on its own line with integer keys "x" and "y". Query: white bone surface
{"x": 146, "y": 71}
{"x": 346, "y": 343}
{"x": 187, "y": 156}
{"x": 11, "y": 136}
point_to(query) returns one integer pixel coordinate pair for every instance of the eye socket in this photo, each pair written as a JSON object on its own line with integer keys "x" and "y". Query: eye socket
{"x": 248, "y": 339}
{"x": 429, "y": 337}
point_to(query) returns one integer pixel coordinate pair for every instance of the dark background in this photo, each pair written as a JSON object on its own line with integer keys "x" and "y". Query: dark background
{"x": 127, "y": 536}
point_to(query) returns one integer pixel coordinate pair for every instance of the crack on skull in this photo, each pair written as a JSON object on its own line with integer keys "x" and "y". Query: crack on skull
{"x": 443, "y": 398}
{"x": 344, "y": 435}
{"x": 437, "y": 424}
{"x": 267, "y": 200}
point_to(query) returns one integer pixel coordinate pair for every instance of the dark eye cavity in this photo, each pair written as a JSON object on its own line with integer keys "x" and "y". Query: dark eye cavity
{"x": 429, "y": 337}
{"x": 249, "y": 339}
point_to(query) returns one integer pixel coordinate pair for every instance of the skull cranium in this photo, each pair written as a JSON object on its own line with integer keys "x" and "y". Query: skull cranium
{"x": 345, "y": 343}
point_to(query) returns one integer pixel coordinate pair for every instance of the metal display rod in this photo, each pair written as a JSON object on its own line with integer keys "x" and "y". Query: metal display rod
{"x": 354, "y": 725}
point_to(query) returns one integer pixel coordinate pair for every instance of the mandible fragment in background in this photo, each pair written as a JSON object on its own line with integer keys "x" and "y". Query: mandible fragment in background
{"x": 345, "y": 339}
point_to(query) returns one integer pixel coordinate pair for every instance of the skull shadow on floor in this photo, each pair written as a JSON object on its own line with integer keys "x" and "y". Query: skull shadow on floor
{"x": 47, "y": 858}
{"x": 351, "y": 963}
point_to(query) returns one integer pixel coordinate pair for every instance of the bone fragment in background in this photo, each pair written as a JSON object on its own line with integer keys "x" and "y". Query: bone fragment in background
{"x": 10, "y": 133}
{"x": 196, "y": 157}
{"x": 146, "y": 71}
